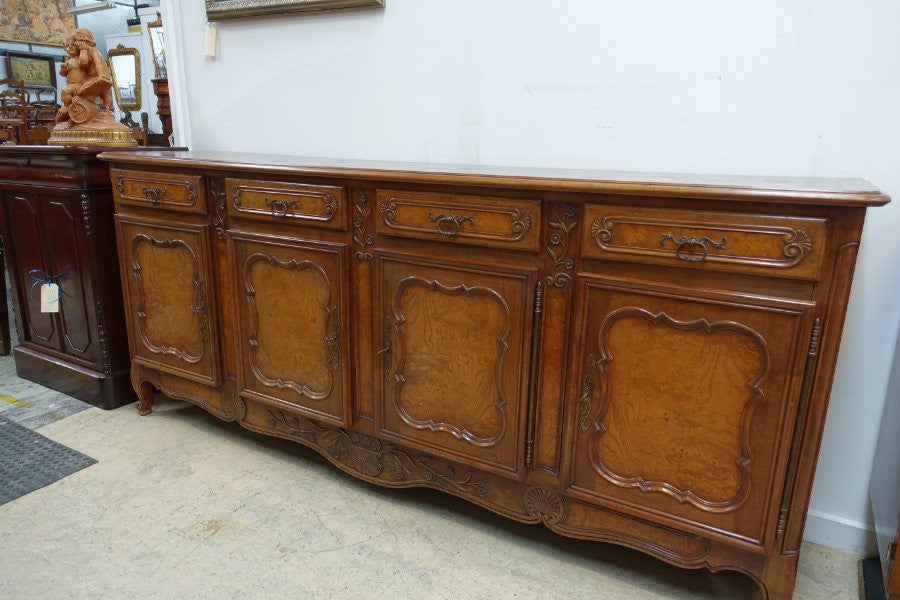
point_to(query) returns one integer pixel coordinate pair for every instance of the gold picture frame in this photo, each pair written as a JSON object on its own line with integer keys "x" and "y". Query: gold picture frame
{"x": 44, "y": 22}
{"x": 229, "y": 9}
{"x": 120, "y": 50}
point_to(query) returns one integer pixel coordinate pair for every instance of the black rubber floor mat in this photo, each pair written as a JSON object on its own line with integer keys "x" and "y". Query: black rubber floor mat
{"x": 29, "y": 461}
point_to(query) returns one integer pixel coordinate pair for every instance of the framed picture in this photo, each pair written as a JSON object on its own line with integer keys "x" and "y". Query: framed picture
{"x": 227, "y": 9}
{"x": 43, "y": 22}
{"x": 36, "y": 70}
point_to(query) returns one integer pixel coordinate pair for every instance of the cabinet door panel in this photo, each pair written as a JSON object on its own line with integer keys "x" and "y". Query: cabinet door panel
{"x": 290, "y": 299}
{"x": 167, "y": 269}
{"x": 25, "y": 226}
{"x": 684, "y": 405}
{"x": 62, "y": 229}
{"x": 454, "y": 359}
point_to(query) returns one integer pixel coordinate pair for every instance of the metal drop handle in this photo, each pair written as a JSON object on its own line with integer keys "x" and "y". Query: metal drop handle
{"x": 153, "y": 194}
{"x": 280, "y": 208}
{"x": 686, "y": 243}
{"x": 449, "y": 225}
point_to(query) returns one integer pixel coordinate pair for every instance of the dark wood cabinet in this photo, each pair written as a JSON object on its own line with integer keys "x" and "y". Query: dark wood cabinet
{"x": 56, "y": 221}
{"x": 637, "y": 359}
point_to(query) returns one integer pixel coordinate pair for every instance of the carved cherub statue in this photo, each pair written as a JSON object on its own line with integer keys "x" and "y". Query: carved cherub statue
{"x": 87, "y": 77}
{"x": 74, "y": 73}
{"x": 81, "y": 120}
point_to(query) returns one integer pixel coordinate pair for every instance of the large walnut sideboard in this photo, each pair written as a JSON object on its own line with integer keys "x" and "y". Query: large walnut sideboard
{"x": 632, "y": 358}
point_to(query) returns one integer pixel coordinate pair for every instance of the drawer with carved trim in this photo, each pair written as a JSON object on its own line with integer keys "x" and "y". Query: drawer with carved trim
{"x": 185, "y": 193}
{"x": 781, "y": 246}
{"x": 316, "y": 205}
{"x": 481, "y": 220}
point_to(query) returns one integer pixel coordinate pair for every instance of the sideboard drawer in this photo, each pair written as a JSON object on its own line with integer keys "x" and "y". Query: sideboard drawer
{"x": 781, "y": 246}
{"x": 481, "y": 220}
{"x": 165, "y": 190}
{"x": 317, "y": 205}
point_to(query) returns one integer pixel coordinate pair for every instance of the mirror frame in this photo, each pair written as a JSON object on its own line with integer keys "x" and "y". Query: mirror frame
{"x": 121, "y": 50}
{"x": 152, "y": 25}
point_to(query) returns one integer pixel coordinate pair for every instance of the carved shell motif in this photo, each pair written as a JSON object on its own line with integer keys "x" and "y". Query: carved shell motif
{"x": 797, "y": 244}
{"x": 549, "y": 507}
{"x": 521, "y": 223}
{"x": 330, "y": 205}
{"x": 601, "y": 230}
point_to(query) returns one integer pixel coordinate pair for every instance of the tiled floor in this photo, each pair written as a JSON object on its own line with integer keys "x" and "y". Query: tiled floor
{"x": 30, "y": 404}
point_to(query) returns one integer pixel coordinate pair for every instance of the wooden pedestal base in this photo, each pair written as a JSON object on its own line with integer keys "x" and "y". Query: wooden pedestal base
{"x": 99, "y": 389}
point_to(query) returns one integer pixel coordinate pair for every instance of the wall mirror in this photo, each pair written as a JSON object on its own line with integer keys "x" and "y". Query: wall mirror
{"x": 125, "y": 66}
{"x": 158, "y": 46}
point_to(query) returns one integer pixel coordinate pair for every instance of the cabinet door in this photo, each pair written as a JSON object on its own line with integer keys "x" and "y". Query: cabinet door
{"x": 170, "y": 316}
{"x": 68, "y": 258}
{"x": 684, "y": 406}
{"x": 455, "y": 360}
{"x": 26, "y": 234}
{"x": 292, "y": 323}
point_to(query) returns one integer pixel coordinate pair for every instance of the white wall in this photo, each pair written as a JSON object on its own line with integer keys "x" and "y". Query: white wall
{"x": 777, "y": 87}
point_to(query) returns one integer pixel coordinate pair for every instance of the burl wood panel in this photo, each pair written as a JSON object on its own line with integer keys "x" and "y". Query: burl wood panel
{"x": 782, "y": 246}
{"x": 184, "y": 193}
{"x": 478, "y": 220}
{"x": 454, "y": 358}
{"x": 681, "y": 406}
{"x": 315, "y": 205}
{"x": 289, "y": 299}
{"x": 168, "y": 274}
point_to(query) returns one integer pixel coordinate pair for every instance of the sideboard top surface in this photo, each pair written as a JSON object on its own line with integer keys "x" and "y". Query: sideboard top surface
{"x": 793, "y": 190}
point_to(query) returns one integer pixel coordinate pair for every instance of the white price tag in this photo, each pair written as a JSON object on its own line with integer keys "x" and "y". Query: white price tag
{"x": 210, "y": 42}
{"x": 49, "y": 298}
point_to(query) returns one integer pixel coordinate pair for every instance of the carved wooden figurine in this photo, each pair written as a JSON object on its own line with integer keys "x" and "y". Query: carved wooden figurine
{"x": 82, "y": 121}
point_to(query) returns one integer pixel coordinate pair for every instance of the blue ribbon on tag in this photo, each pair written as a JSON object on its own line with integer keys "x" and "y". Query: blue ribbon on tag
{"x": 46, "y": 280}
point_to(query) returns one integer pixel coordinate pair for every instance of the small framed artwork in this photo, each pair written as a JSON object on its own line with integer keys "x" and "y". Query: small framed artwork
{"x": 36, "y": 70}
{"x": 228, "y": 9}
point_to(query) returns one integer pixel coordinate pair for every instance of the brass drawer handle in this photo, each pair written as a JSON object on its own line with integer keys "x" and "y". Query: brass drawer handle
{"x": 153, "y": 194}
{"x": 449, "y": 225}
{"x": 686, "y": 243}
{"x": 280, "y": 208}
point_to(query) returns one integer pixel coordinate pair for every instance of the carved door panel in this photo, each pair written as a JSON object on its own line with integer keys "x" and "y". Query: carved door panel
{"x": 455, "y": 360}
{"x": 685, "y": 406}
{"x": 170, "y": 312}
{"x": 63, "y": 227}
{"x": 292, "y": 342}
{"x": 27, "y": 234}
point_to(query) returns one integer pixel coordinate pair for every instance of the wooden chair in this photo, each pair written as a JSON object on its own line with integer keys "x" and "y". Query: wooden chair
{"x": 14, "y": 108}
{"x": 42, "y": 107}
{"x": 142, "y": 136}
